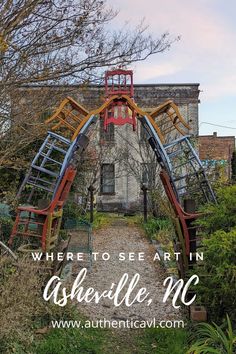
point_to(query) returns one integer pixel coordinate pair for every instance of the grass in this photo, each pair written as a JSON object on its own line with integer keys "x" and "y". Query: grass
{"x": 102, "y": 220}
{"x": 63, "y": 341}
{"x": 162, "y": 341}
{"x": 153, "y": 226}
{"x": 102, "y": 341}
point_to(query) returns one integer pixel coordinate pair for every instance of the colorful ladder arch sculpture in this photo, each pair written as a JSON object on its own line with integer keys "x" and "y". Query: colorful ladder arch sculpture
{"x": 54, "y": 173}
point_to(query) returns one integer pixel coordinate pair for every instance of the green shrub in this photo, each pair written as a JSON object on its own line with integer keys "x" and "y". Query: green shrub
{"x": 217, "y": 286}
{"x": 72, "y": 210}
{"x": 212, "y": 339}
{"x": 6, "y": 225}
{"x": 220, "y": 216}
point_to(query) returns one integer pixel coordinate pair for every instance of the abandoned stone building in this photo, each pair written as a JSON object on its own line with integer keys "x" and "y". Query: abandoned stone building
{"x": 119, "y": 177}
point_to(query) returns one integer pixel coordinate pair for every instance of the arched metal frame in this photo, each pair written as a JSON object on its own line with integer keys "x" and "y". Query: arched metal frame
{"x": 76, "y": 121}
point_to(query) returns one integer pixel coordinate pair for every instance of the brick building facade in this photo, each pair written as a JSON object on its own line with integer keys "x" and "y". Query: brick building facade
{"x": 216, "y": 152}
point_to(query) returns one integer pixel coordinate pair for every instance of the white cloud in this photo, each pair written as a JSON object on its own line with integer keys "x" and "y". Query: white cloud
{"x": 153, "y": 71}
{"x": 206, "y": 52}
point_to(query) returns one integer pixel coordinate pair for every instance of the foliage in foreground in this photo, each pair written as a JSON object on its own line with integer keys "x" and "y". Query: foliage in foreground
{"x": 212, "y": 339}
{"x": 20, "y": 287}
{"x": 6, "y": 225}
{"x": 217, "y": 287}
{"x": 162, "y": 341}
{"x": 105, "y": 341}
{"x": 220, "y": 216}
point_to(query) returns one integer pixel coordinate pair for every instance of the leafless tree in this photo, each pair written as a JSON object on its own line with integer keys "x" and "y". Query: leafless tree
{"x": 100, "y": 151}
{"x": 139, "y": 161}
{"x": 45, "y": 43}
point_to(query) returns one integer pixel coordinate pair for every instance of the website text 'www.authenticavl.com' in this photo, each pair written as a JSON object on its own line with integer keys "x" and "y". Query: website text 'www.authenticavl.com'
{"x": 104, "y": 323}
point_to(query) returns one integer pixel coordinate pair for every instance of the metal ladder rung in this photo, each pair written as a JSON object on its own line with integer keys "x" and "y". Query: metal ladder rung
{"x": 179, "y": 188}
{"x": 56, "y": 148}
{"x": 25, "y": 234}
{"x": 204, "y": 181}
{"x": 34, "y": 179}
{"x": 173, "y": 154}
{"x": 40, "y": 186}
{"x": 184, "y": 176}
{"x": 183, "y": 164}
{"x": 26, "y": 221}
{"x": 50, "y": 159}
{"x": 42, "y": 169}
{"x": 195, "y": 190}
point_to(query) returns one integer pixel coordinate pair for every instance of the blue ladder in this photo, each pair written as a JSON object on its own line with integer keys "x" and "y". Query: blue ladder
{"x": 182, "y": 164}
{"x": 50, "y": 163}
{"x": 188, "y": 172}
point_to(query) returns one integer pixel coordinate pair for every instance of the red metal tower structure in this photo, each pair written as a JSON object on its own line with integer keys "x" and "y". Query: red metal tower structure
{"x": 119, "y": 83}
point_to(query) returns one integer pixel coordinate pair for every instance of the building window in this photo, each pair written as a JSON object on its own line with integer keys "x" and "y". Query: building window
{"x": 109, "y": 135}
{"x": 107, "y": 178}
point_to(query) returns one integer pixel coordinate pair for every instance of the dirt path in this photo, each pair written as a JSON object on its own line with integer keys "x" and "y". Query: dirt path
{"x": 123, "y": 238}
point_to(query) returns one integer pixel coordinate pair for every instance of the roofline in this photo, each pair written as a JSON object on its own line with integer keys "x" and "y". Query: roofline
{"x": 213, "y": 136}
{"x": 171, "y": 84}
{"x": 102, "y": 86}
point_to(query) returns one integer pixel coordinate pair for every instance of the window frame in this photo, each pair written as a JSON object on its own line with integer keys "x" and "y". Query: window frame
{"x": 109, "y": 136}
{"x": 112, "y": 178}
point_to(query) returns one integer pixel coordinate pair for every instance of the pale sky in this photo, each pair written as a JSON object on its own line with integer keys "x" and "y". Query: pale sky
{"x": 206, "y": 53}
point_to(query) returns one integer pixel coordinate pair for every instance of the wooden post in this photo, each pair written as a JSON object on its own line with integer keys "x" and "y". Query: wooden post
{"x": 144, "y": 189}
{"x": 91, "y": 190}
{"x": 190, "y": 207}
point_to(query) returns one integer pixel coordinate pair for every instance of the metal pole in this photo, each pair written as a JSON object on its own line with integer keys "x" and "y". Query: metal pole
{"x": 144, "y": 189}
{"x": 91, "y": 190}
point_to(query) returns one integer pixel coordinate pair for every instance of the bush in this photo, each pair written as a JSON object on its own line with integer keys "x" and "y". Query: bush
{"x": 153, "y": 226}
{"x": 20, "y": 294}
{"x": 6, "y": 225}
{"x": 220, "y": 216}
{"x": 72, "y": 210}
{"x": 212, "y": 339}
{"x": 217, "y": 287}
{"x": 22, "y": 306}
